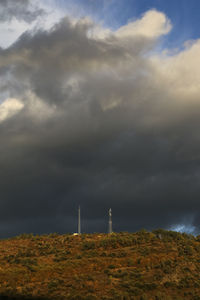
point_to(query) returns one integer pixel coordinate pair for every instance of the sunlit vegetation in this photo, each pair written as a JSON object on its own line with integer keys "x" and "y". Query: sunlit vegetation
{"x": 158, "y": 265}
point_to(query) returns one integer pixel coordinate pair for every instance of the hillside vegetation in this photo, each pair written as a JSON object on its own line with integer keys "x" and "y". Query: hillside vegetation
{"x": 144, "y": 265}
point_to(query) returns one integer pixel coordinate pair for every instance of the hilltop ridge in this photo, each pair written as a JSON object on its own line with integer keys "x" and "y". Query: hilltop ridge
{"x": 158, "y": 265}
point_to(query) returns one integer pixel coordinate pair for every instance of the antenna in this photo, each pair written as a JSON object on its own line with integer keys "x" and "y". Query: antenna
{"x": 79, "y": 220}
{"x": 110, "y": 221}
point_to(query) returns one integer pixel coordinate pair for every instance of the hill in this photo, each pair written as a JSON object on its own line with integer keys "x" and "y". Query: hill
{"x": 158, "y": 265}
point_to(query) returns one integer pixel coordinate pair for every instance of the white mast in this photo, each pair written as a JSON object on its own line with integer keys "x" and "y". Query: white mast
{"x": 110, "y": 221}
{"x": 79, "y": 220}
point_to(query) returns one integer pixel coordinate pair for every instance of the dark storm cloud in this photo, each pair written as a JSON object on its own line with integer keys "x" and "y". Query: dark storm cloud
{"x": 98, "y": 126}
{"x": 20, "y": 10}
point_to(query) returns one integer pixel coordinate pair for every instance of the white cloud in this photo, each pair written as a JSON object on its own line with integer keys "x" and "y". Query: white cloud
{"x": 9, "y": 108}
{"x": 180, "y": 73}
{"x": 189, "y": 229}
{"x": 37, "y": 109}
{"x": 152, "y": 25}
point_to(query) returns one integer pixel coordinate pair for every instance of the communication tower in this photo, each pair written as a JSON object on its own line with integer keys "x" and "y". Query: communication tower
{"x": 110, "y": 221}
{"x": 79, "y": 220}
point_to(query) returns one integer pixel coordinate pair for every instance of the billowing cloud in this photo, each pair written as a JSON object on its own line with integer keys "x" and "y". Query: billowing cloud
{"x": 181, "y": 72}
{"x": 105, "y": 122}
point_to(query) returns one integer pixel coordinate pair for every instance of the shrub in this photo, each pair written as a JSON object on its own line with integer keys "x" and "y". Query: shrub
{"x": 138, "y": 261}
{"x": 89, "y": 278}
{"x": 111, "y": 266}
{"x": 113, "y": 254}
{"x": 188, "y": 250}
{"x": 120, "y": 274}
{"x": 130, "y": 262}
{"x": 25, "y": 236}
{"x": 108, "y": 243}
{"x": 169, "y": 284}
{"x": 90, "y": 297}
{"x": 144, "y": 251}
{"x": 53, "y": 235}
{"x": 146, "y": 286}
{"x": 135, "y": 291}
{"x": 121, "y": 254}
{"x": 59, "y": 258}
{"x": 88, "y": 245}
{"x": 107, "y": 271}
{"x": 54, "y": 284}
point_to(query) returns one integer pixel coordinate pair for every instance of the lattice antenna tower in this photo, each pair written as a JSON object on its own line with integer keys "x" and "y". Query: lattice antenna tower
{"x": 110, "y": 221}
{"x": 79, "y": 220}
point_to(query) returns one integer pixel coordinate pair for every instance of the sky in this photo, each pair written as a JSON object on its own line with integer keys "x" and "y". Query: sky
{"x": 99, "y": 107}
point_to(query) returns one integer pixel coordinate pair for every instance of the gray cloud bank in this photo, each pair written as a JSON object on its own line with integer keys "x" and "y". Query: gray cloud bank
{"x": 18, "y": 9}
{"x": 92, "y": 118}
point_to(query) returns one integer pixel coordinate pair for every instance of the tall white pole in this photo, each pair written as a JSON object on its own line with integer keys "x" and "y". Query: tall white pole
{"x": 79, "y": 220}
{"x": 110, "y": 221}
